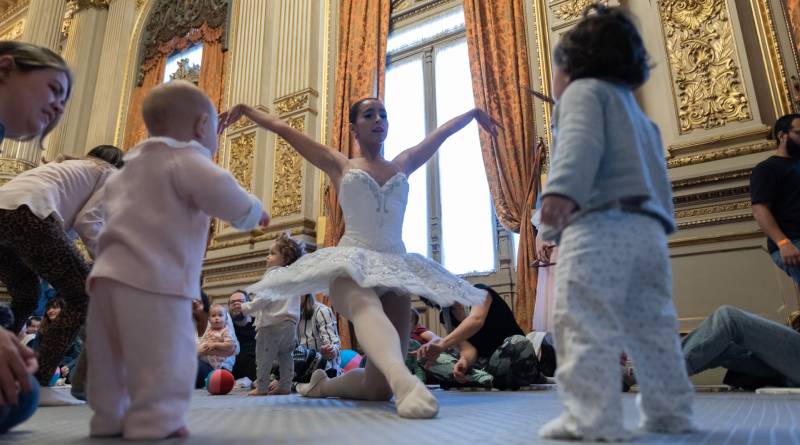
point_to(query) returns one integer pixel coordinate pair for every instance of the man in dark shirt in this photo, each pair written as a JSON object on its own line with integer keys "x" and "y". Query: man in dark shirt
{"x": 756, "y": 351}
{"x": 245, "y": 365}
{"x": 775, "y": 193}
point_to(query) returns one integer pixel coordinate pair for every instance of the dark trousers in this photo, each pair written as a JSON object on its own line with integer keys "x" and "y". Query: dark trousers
{"x": 31, "y": 248}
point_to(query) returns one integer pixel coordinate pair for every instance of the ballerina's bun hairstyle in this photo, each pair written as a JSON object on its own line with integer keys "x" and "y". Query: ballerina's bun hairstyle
{"x": 604, "y": 45}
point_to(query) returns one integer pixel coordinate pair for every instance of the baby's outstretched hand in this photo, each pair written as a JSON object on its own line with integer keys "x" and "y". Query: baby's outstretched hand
{"x": 487, "y": 122}
{"x": 264, "y": 220}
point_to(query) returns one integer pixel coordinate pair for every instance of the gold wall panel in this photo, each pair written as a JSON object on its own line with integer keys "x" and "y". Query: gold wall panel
{"x": 705, "y": 70}
{"x": 15, "y": 31}
{"x": 241, "y": 163}
{"x": 287, "y": 183}
{"x": 573, "y": 9}
{"x": 721, "y": 154}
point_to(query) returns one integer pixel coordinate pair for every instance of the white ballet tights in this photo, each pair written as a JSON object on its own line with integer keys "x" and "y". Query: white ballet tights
{"x": 382, "y": 328}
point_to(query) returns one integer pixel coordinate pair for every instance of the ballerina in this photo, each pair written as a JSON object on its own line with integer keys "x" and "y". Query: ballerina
{"x": 368, "y": 275}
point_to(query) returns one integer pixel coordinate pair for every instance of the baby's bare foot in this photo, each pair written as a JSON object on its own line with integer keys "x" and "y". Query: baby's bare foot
{"x": 256, "y": 392}
{"x": 179, "y": 433}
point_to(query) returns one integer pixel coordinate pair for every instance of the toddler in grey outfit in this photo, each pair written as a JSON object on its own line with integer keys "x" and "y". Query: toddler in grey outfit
{"x": 276, "y": 324}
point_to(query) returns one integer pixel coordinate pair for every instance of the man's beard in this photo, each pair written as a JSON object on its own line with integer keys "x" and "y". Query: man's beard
{"x": 792, "y": 148}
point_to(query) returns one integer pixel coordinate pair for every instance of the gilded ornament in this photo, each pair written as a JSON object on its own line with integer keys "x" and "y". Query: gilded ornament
{"x": 703, "y": 64}
{"x": 713, "y": 210}
{"x": 291, "y": 103}
{"x": 573, "y": 9}
{"x": 75, "y": 6}
{"x": 15, "y": 31}
{"x": 711, "y": 179}
{"x": 714, "y": 221}
{"x": 241, "y": 162}
{"x": 287, "y": 181}
{"x": 711, "y": 195}
{"x": 721, "y": 154}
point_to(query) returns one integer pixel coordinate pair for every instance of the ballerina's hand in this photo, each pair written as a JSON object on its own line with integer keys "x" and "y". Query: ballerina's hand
{"x": 227, "y": 118}
{"x": 487, "y": 122}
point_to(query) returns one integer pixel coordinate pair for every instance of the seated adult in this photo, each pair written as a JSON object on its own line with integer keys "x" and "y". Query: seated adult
{"x": 245, "y": 365}
{"x": 317, "y": 331}
{"x": 488, "y": 339}
{"x": 755, "y": 351}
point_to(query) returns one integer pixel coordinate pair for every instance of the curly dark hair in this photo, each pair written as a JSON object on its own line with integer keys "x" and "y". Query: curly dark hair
{"x": 290, "y": 248}
{"x": 604, "y": 45}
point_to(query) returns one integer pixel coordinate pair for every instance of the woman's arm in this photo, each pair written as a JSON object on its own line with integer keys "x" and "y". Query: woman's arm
{"x": 330, "y": 161}
{"x": 410, "y": 160}
{"x": 466, "y": 329}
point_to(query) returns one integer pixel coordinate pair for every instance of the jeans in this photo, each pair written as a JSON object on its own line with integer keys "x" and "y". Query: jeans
{"x": 745, "y": 343}
{"x": 13, "y": 415}
{"x": 793, "y": 272}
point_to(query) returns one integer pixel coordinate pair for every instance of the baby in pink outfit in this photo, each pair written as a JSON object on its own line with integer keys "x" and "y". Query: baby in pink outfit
{"x": 216, "y": 344}
{"x": 141, "y": 338}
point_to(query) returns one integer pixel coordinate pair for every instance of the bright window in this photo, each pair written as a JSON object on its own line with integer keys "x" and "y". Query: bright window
{"x": 185, "y": 64}
{"x": 450, "y": 217}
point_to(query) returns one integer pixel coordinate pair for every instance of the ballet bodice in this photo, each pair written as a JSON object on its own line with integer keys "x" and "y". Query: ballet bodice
{"x": 373, "y": 213}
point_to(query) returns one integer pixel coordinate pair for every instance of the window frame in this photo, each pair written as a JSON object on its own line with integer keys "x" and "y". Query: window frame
{"x": 426, "y": 49}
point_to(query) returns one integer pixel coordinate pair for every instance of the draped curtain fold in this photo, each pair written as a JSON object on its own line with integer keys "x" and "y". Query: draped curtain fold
{"x": 360, "y": 69}
{"x": 498, "y": 56}
{"x": 212, "y": 75}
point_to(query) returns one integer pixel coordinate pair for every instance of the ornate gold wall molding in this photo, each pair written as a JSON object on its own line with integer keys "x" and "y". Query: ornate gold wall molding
{"x": 14, "y": 166}
{"x": 573, "y": 9}
{"x": 704, "y": 65}
{"x": 74, "y": 7}
{"x": 776, "y": 71}
{"x": 721, "y": 154}
{"x": 712, "y": 179}
{"x": 296, "y": 102}
{"x": 713, "y": 210}
{"x": 287, "y": 183}
{"x": 238, "y": 257}
{"x": 714, "y": 221}
{"x": 241, "y": 161}
{"x": 248, "y": 238}
{"x": 691, "y": 147}
{"x": 405, "y": 9}
{"x": 717, "y": 238}
{"x": 242, "y": 276}
{"x": 15, "y": 31}
{"x": 226, "y": 270}
{"x": 711, "y": 195}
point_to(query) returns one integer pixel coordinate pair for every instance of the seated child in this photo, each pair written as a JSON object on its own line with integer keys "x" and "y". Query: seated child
{"x": 217, "y": 343}
{"x": 141, "y": 338}
{"x": 276, "y": 324}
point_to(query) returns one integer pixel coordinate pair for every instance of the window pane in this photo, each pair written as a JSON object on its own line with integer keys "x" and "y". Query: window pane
{"x": 185, "y": 64}
{"x": 515, "y": 241}
{"x": 405, "y": 105}
{"x": 467, "y": 223}
{"x": 427, "y": 29}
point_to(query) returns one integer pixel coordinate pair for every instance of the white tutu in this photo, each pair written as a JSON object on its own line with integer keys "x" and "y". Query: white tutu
{"x": 371, "y": 253}
{"x": 404, "y": 273}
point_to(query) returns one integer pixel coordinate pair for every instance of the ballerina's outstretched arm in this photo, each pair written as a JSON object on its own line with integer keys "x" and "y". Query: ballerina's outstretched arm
{"x": 413, "y": 158}
{"x": 330, "y": 161}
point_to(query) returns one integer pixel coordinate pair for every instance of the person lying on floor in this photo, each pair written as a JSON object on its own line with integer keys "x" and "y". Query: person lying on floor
{"x": 492, "y": 348}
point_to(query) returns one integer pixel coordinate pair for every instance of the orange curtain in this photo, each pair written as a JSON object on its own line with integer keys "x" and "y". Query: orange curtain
{"x": 360, "y": 68}
{"x": 500, "y": 80}
{"x": 134, "y": 129}
{"x": 212, "y": 75}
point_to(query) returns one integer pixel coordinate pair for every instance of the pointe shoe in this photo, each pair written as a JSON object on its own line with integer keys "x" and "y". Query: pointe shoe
{"x": 314, "y": 387}
{"x": 419, "y": 403}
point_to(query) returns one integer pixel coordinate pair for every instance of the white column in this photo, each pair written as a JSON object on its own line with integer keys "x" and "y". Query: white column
{"x": 85, "y": 36}
{"x": 109, "y": 84}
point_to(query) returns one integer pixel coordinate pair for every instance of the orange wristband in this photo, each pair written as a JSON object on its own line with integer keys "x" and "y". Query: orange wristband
{"x": 783, "y": 242}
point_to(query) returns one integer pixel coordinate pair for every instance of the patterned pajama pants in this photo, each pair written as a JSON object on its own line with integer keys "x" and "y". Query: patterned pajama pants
{"x": 31, "y": 248}
{"x": 613, "y": 293}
